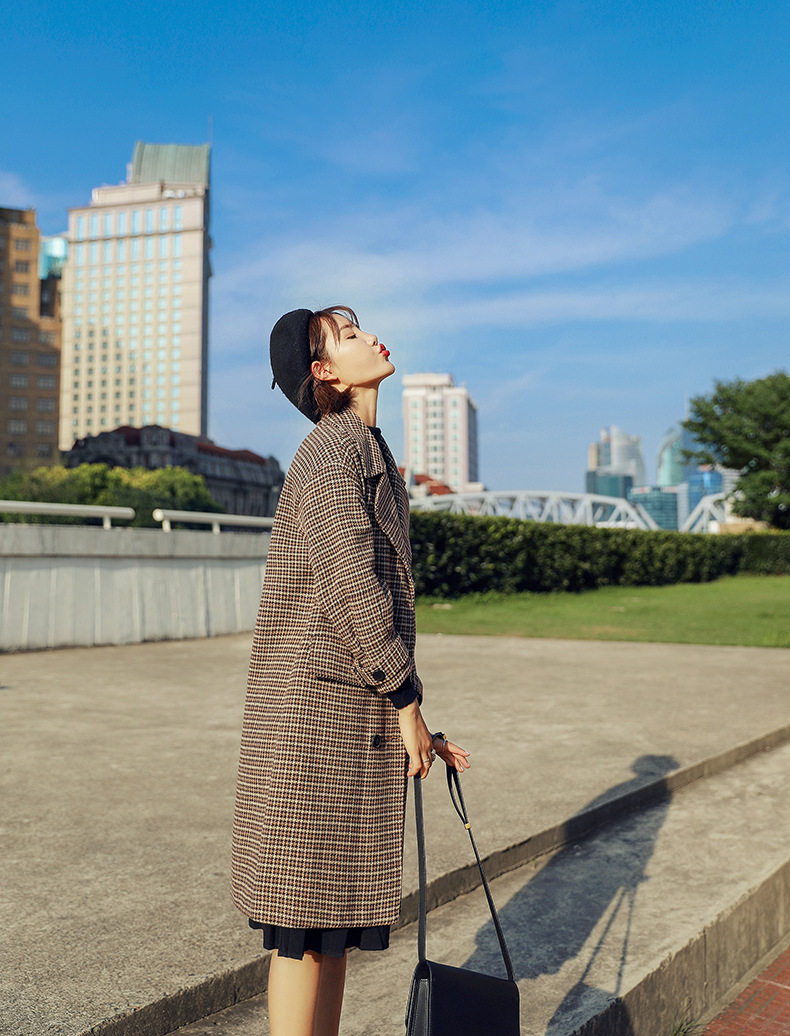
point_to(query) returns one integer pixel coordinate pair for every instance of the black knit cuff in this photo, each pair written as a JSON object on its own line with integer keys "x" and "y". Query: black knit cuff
{"x": 404, "y": 695}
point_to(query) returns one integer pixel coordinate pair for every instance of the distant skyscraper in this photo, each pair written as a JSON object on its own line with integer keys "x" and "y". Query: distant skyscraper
{"x": 660, "y": 502}
{"x": 135, "y": 299}
{"x": 29, "y": 345}
{"x": 613, "y": 461}
{"x": 440, "y": 429}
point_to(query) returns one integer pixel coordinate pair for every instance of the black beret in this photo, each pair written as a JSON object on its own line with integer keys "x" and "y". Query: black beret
{"x": 289, "y": 350}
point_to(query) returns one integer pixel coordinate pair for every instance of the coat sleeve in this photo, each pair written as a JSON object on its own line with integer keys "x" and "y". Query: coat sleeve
{"x": 338, "y": 533}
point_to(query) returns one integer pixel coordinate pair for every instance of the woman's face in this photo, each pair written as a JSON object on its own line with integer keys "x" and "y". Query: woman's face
{"x": 355, "y": 360}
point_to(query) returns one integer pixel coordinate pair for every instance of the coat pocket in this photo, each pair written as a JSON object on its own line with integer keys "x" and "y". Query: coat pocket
{"x": 331, "y": 662}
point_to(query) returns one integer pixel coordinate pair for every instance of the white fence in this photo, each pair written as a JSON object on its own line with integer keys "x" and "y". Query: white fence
{"x": 68, "y": 585}
{"x": 69, "y": 510}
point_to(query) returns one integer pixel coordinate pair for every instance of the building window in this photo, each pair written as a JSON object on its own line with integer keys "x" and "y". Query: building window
{"x": 22, "y": 244}
{"x": 18, "y": 381}
{"x": 20, "y": 289}
{"x": 163, "y": 218}
{"x": 22, "y": 266}
{"x": 47, "y": 337}
{"x": 149, "y": 248}
{"x": 94, "y": 225}
{"x": 17, "y": 427}
{"x": 107, "y": 224}
{"x": 47, "y": 359}
{"x": 80, "y": 228}
{"x": 17, "y": 403}
{"x": 177, "y": 217}
{"x": 176, "y": 245}
{"x": 20, "y": 359}
{"x": 20, "y": 334}
{"x": 94, "y": 252}
{"x": 45, "y": 406}
{"x": 121, "y": 222}
{"x": 135, "y": 222}
{"x": 45, "y": 427}
{"x": 19, "y": 312}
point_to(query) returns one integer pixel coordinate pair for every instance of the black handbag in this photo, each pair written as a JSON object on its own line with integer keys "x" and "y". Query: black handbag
{"x": 445, "y": 1001}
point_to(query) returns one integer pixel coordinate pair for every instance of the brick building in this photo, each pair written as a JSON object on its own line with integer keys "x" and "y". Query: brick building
{"x": 29, "y": 346}
{"x": 241, "y": 481}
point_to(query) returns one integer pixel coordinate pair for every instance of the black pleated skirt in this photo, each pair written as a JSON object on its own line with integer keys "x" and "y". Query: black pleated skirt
{"x": 332, "y": 942}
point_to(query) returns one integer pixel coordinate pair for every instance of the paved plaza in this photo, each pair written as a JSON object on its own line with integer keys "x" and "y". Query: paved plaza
{"x": 119, "y": 767}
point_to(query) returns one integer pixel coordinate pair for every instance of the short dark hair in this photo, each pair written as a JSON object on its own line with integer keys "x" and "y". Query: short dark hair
{"x": 327, "y": 399}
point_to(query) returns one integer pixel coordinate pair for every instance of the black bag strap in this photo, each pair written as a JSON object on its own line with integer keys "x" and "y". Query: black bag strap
{"x": 454, "y": 785}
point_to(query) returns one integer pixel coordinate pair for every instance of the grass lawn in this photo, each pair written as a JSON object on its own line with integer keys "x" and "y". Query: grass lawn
{"x": 747, "y": 610}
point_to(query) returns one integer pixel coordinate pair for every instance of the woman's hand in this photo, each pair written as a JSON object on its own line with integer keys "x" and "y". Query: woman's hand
{"x": 452, "y": 754}
{"x": 416, "y": 740}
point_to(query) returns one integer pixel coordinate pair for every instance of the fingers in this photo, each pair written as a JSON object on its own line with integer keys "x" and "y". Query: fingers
{"x": 455, "y": 756}
{"x": 420, "y": 765}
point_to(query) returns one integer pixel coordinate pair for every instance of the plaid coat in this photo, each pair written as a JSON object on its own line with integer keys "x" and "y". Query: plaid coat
{"x": 318, "y": 829}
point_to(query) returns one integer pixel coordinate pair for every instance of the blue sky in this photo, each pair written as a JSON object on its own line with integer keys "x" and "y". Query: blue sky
{"x": 581, "y": 210}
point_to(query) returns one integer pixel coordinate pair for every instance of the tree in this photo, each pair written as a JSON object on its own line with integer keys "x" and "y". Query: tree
{"x": 174, "y": 488}
{"x": 745, "y": 425}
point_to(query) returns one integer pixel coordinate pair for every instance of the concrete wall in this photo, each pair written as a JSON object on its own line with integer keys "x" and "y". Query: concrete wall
{"x": 78, "y": 585}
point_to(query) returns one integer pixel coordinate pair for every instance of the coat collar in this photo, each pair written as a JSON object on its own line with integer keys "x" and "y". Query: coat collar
{"x": 391, "y": 515}
{"x": 353, "y": 426}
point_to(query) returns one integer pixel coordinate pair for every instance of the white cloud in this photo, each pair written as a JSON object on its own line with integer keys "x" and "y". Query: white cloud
{"x": 441, "y": 271}
{"x": 14, "y": 192}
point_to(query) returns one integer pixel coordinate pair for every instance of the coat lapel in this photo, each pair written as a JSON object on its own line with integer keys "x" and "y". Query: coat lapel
{"x": 392, "y": 515}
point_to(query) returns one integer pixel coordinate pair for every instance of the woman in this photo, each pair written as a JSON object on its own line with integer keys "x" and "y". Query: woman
{"x": 333, "y": 698}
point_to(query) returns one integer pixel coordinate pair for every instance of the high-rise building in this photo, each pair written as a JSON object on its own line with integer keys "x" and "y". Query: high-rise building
{"x": 612, "y": 461}
{"x": 660, "y": 502}
{"x": 29, "y": 346}
{"x": 440, "y": 430}
{"x": 135, "y": 299}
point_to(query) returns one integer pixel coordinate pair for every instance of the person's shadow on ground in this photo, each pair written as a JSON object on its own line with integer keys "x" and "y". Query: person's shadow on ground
{"x": 549, "y": 920}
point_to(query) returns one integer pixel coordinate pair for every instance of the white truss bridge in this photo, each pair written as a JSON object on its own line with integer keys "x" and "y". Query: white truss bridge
{"x": 567, "y": 509}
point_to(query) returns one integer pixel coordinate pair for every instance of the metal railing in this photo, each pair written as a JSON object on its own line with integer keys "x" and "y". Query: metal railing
{"x": 215, "y": 520}
{"x": 544, "y": 506}
{"x": 710, "y": 512}
{"x": 69, "y": 510}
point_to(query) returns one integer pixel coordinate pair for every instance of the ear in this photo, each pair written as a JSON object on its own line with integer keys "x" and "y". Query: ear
{"x": 321, "y": 371}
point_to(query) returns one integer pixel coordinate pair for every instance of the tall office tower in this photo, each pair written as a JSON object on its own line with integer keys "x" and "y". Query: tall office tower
{"x": 135, "y": 299}
{"x": 615, "y": 464}
{"x": 29, "y": 346}
{"x": 440, "y": 429}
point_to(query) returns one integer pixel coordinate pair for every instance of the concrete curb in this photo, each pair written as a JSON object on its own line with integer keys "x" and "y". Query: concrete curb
{"x": 216, "y": 993}
{"x": 689, "y": 983}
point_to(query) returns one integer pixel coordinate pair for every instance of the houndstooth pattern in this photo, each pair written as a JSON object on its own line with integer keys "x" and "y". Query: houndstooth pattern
{"x": 318, "y": 828}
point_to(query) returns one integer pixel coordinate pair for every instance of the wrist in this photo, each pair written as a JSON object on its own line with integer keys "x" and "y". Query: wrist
{"x": 411, "y": 710}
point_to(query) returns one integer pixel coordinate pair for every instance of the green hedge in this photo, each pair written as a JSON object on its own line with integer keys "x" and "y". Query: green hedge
{"x": 460, "y": 554}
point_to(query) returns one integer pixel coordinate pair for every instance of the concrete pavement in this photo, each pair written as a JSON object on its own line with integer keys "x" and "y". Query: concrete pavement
{"x": 610, "y": 917}
{"x": 118, "y": 771}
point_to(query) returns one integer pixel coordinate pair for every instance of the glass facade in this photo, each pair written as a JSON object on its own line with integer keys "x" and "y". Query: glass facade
{"x": 608, "y": 484}
{"x": 660, "y": 502}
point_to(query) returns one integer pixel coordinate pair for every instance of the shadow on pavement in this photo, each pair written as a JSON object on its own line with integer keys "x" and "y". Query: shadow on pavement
{"x": 549, "y": 921}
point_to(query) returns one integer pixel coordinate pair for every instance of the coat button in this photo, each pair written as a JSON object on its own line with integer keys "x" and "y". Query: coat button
{"x": 377, "y": 741}
{"x": 378, "y": 674}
